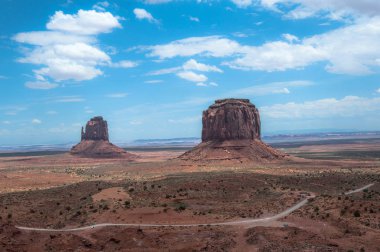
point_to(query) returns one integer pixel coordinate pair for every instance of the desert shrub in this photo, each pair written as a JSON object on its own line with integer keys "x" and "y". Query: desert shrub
{"x": 180, "y": 206}
{"x": 127, "y": 204}
{"x": 357, "y": 213}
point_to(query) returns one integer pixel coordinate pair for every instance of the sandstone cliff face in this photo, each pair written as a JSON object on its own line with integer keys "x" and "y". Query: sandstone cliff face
{"x": 231, "y": 119}
{"x": 232, "y": 132}
{"x": 96, "y": 129}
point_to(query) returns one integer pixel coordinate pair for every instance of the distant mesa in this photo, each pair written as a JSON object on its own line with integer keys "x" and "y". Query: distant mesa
{"x": 95, "y": 142}
{"x": 232, "y": 131}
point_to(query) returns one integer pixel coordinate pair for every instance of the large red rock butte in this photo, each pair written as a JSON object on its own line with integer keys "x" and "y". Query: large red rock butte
{"x": 95, "y": 142}
{"x": 232, "y": 131}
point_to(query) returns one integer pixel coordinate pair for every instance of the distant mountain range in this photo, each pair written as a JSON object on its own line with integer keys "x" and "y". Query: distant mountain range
{"x": 189, "y": 142}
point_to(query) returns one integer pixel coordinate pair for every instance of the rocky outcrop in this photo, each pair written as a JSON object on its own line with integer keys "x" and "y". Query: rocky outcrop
{"x": 95, "y": 142}
{"x": 96, "y": 129}
{"x": 232, "y": 132}
{"x": 231, "y": 119}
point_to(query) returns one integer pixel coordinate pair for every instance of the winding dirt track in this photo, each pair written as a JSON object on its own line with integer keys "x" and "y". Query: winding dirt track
{"x": 226, "y": 223}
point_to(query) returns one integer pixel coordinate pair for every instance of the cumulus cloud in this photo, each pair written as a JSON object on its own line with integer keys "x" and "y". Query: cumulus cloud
{"x": 188, "y": 71}
{"x": 40, "y": 85}
{"x": 194, "y": 65}
{"x": 191, "y": 76}
{"x": 67, "y": 50}
{"x": 348, "y": 106}
{"x": 342, "y": 53}
{"x": 46, "y": 38}
{"x": 143, "y": 14}
{"x": 214, "y": 46}
{"x": 84, "y": 22}
{"x": 277, "y": 56}
{"x": 289, "y": 37}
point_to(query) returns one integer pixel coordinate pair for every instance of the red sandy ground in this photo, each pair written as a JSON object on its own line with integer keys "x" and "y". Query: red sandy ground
{"x": 63, "y": 191}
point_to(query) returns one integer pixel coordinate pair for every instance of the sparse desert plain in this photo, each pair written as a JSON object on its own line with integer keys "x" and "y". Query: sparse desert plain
{"x": 160, "y": 203}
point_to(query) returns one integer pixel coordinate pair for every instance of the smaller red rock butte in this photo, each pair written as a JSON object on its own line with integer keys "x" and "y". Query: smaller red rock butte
{"x": 95, "y": 142}
{"x": 96, "y": 129}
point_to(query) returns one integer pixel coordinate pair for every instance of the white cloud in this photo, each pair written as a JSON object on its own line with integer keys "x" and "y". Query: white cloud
{"x": 101, "y": 6}
{"x": 40, "y": 85}
{"x": 165, "y": 71}
{"x": 84, "y": 22}
{"x": 342, "y": 53}
{"x": 125, "y": 64}
{"x": 194, "y": 65}
{"x": 194, "y": 19}
{"x": 242, "y": 3}
{"x": 117, "y": 95}
{"x": 332, "y": 9}
{"x": 201, "y": 84}
{"x": 6, "y": 122}
{"x": 153, "y": 81}
{"x": 36, "y": 121}
{"x": 277, "y": 56}
{"x": 2, "y": 77}
{"x": 191, "y": 76}
{"x": 271, "y": 88}
{"x": 239, "y": 35}
{"x": 348, "y": 54}
{"x": 291, "y": 38}
{"x": 215, "y": 46}
{"x": 45, "y": 38}
{"x": 69, "y": 99}
{"x": 378, "y": 91}
{"x": 349, "y": 106}
{"x": 68, "y": 50}
{"x": 143, "y": 14}
{"x": 205, "y": 84}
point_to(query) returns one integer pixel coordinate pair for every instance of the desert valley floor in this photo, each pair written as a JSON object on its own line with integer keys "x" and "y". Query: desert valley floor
{"x": 176, "y": 205}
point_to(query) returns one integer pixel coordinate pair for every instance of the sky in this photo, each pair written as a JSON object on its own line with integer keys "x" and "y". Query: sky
{"x": 150, "y": 67}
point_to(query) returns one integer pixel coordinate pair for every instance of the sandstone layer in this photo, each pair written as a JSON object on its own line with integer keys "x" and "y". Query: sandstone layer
{"x": 231, "y": 119}
{"x": 232, "y": 132}
{"x": 95, "y": 142}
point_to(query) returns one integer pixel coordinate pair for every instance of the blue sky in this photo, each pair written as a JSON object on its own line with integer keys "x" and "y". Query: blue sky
{"x": 150, "y": 67}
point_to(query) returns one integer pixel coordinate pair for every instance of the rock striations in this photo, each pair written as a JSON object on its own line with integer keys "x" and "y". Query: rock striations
{"x": 232, "y": 132}
{"x": 95, "y": 142}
